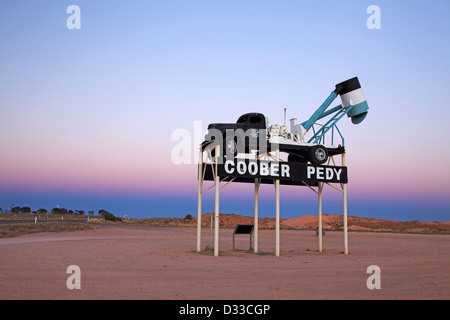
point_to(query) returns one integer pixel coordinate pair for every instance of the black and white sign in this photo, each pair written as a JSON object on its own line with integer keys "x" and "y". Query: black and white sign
{"x": 246, "y": 170}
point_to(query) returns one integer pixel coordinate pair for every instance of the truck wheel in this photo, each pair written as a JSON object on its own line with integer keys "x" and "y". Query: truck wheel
{"x": 230, "y": 147}
{"x": 318, "y": 154}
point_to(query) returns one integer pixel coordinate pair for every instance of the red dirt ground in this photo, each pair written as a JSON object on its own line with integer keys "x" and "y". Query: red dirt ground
{"x": 140, "y": 262}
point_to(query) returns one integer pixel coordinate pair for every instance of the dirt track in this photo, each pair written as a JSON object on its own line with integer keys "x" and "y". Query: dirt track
{"x": 131, "y": 262}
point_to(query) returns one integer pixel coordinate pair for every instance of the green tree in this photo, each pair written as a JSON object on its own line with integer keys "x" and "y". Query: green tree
{"x": 25, "y": 209}
{"x": 59, "y": 211}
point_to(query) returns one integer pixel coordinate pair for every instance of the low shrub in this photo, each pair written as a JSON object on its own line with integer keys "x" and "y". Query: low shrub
{"x": 110, "y": 217}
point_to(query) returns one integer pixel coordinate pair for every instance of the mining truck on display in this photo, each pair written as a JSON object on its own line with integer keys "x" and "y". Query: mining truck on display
{"x": 251, "y": 133}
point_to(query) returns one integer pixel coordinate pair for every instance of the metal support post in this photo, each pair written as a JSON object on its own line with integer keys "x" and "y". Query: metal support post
{"x": 344, "y": 200}
{"x": 199, "y": 201}
{"x": 277, "y": 210}
{"x": 255, "y": 230}
{"x": 320, "y": 188}
{"x": 216, "y": 204}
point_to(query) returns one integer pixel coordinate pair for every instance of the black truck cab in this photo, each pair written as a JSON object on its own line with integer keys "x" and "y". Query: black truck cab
{"x": 253, "y": 120}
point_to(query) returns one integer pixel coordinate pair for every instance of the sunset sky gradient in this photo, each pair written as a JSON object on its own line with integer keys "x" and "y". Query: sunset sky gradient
{"x": 87, "y": 115}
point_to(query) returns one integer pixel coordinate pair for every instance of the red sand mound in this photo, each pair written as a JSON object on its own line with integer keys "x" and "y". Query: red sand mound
{"x": 308, "y": 222}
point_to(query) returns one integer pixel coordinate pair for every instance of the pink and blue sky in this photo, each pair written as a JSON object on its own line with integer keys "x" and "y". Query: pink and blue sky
{"x": 87, "y": 115}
